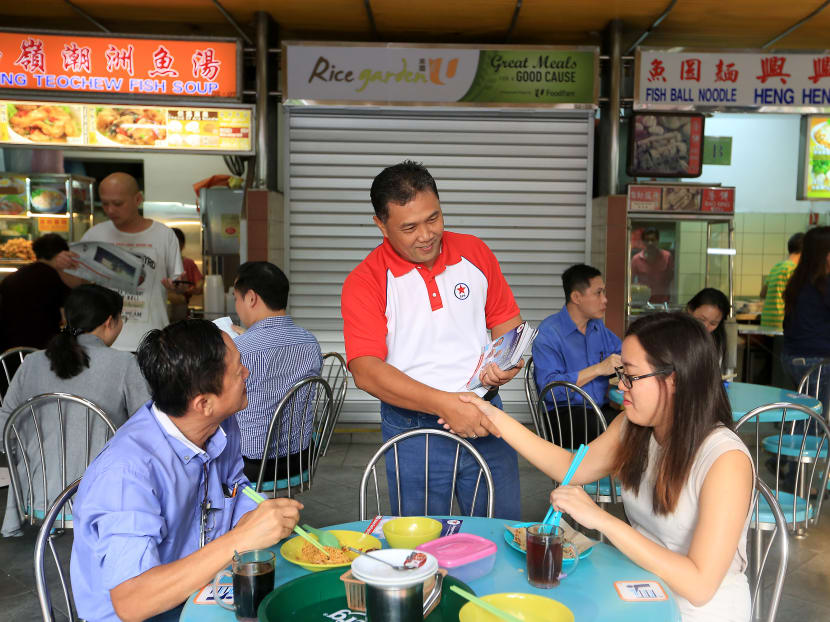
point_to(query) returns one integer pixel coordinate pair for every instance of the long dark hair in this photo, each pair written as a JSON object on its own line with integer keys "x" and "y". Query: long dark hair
{"x": 85, "y": 309}
{"x": 716, "y": 298}
{"x": 678, "y": 341}
{"x": 811, "y": 268}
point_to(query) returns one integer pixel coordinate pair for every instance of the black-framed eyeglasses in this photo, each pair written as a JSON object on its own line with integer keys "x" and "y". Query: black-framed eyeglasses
{"x": 627, "y": 380}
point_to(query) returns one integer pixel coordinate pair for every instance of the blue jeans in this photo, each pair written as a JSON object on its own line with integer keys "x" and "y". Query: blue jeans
{"x": 500, "y": 457}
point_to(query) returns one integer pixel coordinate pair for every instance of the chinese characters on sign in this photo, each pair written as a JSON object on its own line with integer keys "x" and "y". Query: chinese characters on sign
{"x": 680, "y": 198}
{"x": 119, "y": 65}
{"x": 690, "y": 80}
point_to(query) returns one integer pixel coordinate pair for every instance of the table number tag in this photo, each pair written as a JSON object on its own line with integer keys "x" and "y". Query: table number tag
{"x": 206, "y": 596}
{"x": 640, "y": 591}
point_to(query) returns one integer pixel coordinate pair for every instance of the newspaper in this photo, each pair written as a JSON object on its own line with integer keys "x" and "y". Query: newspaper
{"x": 225, "y": 324}
{"x": 506, "y": 351}
{"x": 108, "y": 265}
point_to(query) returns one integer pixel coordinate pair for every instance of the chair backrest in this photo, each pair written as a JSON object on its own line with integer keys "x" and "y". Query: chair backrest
{"x": 335, "y": 373}
{"x": 532, "y": 393}
{"x": 805, "y": 450}
{"x": 46, "y": 535}
{"x": 300, "y": 423}
{"x": 811, "y": 384}
{"x": 47, "y": 444}
{"x": 779, "y": 535}
{"x": 10, "y": 361}
{"x": 392, "y": 446}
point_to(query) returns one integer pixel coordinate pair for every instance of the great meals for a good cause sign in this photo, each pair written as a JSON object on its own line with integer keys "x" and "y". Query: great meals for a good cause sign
{"x": 691, "y": 80}
{"x": 395, "y": 74}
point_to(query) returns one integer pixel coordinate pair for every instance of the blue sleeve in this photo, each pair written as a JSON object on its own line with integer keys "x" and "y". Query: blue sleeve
{"x": 235, "y": 470}
{"x": 549, "y": 360}
{"x": 614, "y": 342}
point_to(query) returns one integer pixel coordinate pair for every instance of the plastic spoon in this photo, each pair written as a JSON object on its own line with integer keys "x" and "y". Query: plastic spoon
{"x": 500, "y": 613}
{"x": 326, "y": 538}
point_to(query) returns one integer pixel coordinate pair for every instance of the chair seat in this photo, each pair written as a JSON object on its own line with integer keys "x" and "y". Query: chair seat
{"x": 803, "y": 510}
{"x": 283, "y": 483}
{"x": 604, "y": 488}
{"x": 791, "y": 445}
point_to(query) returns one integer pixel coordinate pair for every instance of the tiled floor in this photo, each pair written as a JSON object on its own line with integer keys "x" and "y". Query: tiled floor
{"x": 334, "y": 499}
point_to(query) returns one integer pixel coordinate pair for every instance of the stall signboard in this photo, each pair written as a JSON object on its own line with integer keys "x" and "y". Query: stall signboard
{"x": 114, "y": 65}
{"x": 114, "y": 126}
{"x": 763, "y": 81}
{"x": 816, "y": 169}
{"x": 717, "y": 150}
{"x": 680, "y": 198}
{"x": 326, "y": 73}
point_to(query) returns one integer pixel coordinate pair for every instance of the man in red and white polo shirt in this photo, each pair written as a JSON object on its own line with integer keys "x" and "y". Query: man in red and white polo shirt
{"x": 416, "y": 313}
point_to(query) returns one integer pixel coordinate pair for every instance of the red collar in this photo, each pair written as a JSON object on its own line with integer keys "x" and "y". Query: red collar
{"x": 400, "y": 266}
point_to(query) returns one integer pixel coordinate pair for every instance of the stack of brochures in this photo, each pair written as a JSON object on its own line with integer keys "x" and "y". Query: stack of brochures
{"x": 506, "y": 352}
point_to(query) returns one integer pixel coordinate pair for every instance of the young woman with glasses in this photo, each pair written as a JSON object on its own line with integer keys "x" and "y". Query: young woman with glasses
{"x": 686, "y": 477}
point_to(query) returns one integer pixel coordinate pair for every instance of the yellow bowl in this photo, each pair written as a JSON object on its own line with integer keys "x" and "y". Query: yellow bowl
{"x": 526, "y": 607}
{"x": 291, "y": 549}
{"x": 408, "y": 532}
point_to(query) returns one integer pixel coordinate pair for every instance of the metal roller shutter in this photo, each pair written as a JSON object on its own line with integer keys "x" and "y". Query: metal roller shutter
{"x": 519, "y": 180}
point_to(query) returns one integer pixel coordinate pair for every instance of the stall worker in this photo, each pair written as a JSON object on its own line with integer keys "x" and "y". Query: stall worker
{"x": 653, "y": 267}
{"x": 159, "y": 511}
{"x": 686, "y": 477}
{"x": 416, "y": 312}
{"x": 772, "y": 292}
{"x": 575, "y": 346}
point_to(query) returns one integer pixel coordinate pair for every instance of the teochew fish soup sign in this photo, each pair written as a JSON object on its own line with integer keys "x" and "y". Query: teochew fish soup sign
{"x": 332, "y": 73}
{"x": 732, "y": 79}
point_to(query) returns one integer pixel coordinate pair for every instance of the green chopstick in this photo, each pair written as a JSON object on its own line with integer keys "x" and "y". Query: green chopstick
{"x": 258, "y": 498}
{"x": 484, "y": 604}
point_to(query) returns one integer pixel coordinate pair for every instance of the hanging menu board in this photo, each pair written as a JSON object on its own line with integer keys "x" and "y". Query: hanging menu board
{"x": 111, "y": 126}
{"x": 816, "y": 167}
{"x": 680, "y": 198}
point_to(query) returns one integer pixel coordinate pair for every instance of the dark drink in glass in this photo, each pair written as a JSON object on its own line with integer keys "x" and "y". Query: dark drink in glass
{"x": 544, "y": 556}
{"x": 252, "y": 582}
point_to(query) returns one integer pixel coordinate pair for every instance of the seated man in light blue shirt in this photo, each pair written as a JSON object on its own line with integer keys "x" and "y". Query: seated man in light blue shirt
{"x": 159, "y": 512}
{"x": 575, "y": 346}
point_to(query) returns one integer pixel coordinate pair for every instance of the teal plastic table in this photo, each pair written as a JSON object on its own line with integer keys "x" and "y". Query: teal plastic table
{"x": 743, "y": 397}
{"x": 589, "y": 591}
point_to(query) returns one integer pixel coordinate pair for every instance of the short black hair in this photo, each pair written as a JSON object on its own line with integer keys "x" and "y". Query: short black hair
{"x": 181, "y": 361}
{"x": 578, "y": 277}
{"x": 399, "y": 184}
{"x": 49, "y": 245}
{"x": 650, "y": 231}
{"x": 267, "y": 280}
{"x": 795, "y": 243}
{"x": 179, "y": 234}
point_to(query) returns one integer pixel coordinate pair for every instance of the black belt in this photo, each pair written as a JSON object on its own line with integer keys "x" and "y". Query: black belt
{"x": 493, "y": 392}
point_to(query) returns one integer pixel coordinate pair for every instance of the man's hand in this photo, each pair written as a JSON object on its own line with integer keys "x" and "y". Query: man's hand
{"x": 179, "y": 288}
{"x": 66, "y": 260}
{"x": 271, "y": 521}
{"x": 607, "y": 366}
{"x": 465, "y": 419}
{"x": 239, "y": 330}
{"x": 493, "y": 376}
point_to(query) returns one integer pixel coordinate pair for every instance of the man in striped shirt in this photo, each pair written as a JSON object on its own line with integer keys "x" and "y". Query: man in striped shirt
{"x": 278, "y": 354}
{"x": 772, "y": 292}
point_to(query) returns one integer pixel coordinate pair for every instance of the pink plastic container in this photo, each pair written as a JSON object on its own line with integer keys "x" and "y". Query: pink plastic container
{"x": 465, "y": 556}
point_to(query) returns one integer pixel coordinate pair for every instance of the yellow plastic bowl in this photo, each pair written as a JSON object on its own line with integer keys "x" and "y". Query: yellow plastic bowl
{"x": 410, "y": 531}
{"x": 526, "y": 607}
{"x": 291, "y": 549}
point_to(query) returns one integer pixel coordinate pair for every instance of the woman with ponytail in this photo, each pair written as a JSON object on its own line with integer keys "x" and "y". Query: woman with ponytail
{"x": 80, "y": 361}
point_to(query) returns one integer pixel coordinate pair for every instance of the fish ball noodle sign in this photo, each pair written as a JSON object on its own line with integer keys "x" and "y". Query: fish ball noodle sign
{"x": 120, "y": 65}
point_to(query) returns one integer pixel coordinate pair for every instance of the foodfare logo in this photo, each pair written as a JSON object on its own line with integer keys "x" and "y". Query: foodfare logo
{"x": 429, "y": 70}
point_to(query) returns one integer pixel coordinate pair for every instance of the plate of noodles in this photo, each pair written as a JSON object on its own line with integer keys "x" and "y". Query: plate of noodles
{"x": 298, "y": 551}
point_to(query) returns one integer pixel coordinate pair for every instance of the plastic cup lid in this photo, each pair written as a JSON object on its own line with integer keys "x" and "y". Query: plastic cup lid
{"x": 378, "y": 574}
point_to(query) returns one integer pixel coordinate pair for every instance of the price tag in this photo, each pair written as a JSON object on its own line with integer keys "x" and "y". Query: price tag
{"x": 640, "y": 591}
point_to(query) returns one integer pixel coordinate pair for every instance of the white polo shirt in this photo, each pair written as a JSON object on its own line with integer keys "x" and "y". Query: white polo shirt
{"x": 429, "y": 324}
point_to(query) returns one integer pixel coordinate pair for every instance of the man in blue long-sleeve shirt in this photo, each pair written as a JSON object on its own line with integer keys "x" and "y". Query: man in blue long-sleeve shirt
{"x": 574, "y": 344}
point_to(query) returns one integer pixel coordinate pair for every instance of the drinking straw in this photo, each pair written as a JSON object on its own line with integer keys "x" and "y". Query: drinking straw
{"x": 484, "y": 605}
{"x": 258, "y": 498}
{"x": 552, "y": 518}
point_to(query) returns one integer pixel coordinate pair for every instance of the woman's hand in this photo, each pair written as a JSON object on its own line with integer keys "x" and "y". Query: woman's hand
{"x": 573, "y": 500}
{"x": 484, "y": 406}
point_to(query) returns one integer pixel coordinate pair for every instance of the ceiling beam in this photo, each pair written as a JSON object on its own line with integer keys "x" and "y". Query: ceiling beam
{"x": 513, "y": 21}
{"x": 233, "y": 22}
{"x": 798, "y": 24}
{"x": 651, "y": 28}
{"x": 372, "y": 25}
{"x": 86, "y": 16}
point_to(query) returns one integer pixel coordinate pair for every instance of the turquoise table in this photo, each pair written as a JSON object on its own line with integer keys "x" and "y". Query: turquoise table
{"x": 589, "y": 592}
{"x": 744, "y": 397}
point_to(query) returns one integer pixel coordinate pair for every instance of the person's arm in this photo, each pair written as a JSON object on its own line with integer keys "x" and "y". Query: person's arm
{"x": 163, "y": 587}
{"x": 551, "y": 459}
{"x": 390, "y": 385}
{"x": 722, "y": 510}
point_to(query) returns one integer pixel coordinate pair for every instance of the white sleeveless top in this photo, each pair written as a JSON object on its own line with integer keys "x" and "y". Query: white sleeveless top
{"x": 674, "y": 531}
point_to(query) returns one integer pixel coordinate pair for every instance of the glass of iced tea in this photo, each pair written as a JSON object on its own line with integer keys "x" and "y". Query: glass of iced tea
{"x": 545, "y": 547}
{"x": 253, "y": 579}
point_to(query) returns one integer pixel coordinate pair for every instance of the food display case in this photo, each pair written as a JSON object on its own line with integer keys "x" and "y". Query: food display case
{"x": 35, "y": 204}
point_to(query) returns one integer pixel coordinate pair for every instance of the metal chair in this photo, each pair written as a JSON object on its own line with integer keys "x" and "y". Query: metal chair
{"x": 759, "y": 561}
{"x": 46, "y": 535}
{"x": 306, "y": 407}
{"x": 532, "y": 393}
{"x": 10, "y": 361}
{"x": 799, "y": 511}
{"x": 810, "y": 384}
{"x": 336, "y": 374}
{"x": 561, "y": 393}
{"x": 427, "y": 433}
{"x": 43, "y": 441}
